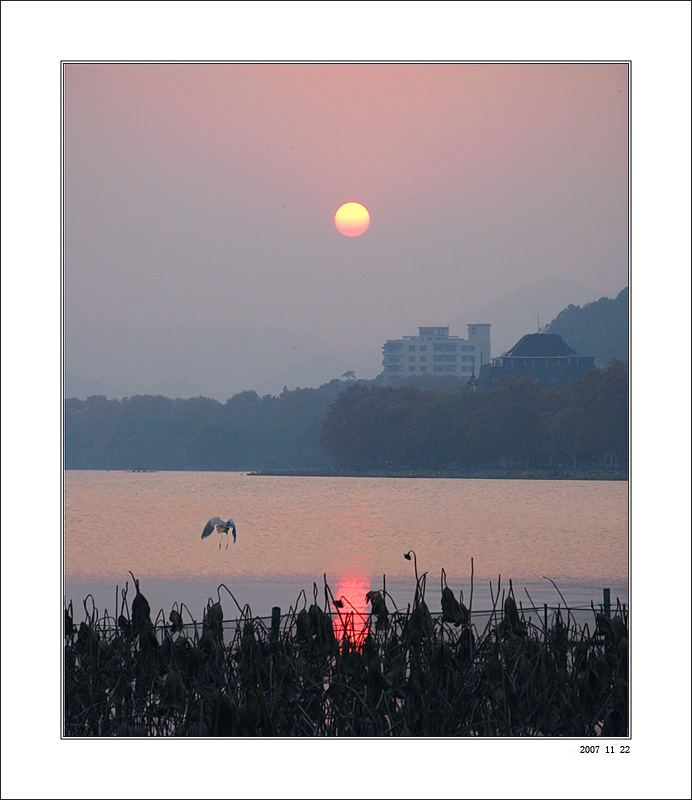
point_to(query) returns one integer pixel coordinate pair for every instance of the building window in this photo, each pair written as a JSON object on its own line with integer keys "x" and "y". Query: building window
{"x": 411, "y": 369}
{"x": 423, "y": 348}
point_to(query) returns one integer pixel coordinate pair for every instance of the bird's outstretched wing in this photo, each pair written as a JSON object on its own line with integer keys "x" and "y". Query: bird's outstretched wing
{"x": 211, "y": 525}
{"x": 231, "y": 524}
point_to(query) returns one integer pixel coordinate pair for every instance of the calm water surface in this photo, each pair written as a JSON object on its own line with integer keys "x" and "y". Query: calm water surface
{"x": 291, "y": 531}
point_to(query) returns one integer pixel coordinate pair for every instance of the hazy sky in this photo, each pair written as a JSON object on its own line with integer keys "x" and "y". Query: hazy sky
{"x": 199, "y": 205}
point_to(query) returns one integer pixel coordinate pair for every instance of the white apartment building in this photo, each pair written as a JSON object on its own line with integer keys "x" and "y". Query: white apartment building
{"x": 435, "y": 352}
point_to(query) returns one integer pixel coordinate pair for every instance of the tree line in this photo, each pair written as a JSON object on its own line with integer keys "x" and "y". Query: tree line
{"x": 155, "y": 432}
{"x": 358, "y": 425}
{"x": 517, "y": 422}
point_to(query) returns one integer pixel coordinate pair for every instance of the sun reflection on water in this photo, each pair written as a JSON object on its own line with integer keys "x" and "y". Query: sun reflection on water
{"x": 352, "y": 618}
{"x": 293, "y": 530}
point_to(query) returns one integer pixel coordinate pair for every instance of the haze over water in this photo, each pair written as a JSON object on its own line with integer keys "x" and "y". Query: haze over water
{"x": 292, "y": 530}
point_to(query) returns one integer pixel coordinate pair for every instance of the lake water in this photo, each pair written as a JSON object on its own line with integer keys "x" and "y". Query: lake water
{"x": 293, "y": 530}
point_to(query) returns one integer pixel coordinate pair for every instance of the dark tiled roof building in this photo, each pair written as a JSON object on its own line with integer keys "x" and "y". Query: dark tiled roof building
{"x": 545, "y": 357}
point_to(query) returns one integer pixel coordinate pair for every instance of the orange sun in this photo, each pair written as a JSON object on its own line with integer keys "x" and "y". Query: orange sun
{"x": 352, "y": 219}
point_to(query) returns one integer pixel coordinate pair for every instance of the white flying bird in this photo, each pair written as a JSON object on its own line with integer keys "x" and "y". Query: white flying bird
{"x": 218, "y": 525}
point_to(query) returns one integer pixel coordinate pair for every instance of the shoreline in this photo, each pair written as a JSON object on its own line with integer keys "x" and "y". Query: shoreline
{"x": 551, "y": 474}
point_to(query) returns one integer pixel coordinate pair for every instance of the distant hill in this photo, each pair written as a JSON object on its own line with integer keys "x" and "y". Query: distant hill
{"x": 514, "y": 314}
{"x": 599, "y": 329}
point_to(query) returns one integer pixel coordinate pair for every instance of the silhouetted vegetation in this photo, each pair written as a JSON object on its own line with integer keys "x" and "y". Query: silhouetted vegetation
{"x": 424, "y": 422}
{"x": 599, "y": 329}
{"x": 360, "y": 425}
{"x": 515, "y": 423}
{"x": 320, "y": 671}
{"x": 154, "y": 432}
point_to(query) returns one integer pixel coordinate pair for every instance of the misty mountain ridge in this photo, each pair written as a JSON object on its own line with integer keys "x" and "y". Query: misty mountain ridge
{"x": 320, "y": 369}
{"x": 226, "y": 358}
{"x": 599, "y": 329}
{"x": 524, "y": 310}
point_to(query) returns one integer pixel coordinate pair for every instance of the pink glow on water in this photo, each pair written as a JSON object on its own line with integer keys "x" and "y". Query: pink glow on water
{"x": 352, "y": 617}
{"x": 292, "y": 531}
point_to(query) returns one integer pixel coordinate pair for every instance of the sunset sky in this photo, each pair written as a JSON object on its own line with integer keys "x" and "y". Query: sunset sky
{"x": 199, "y": 211}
